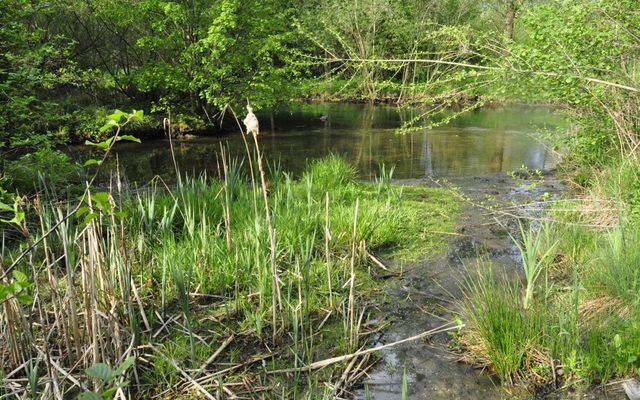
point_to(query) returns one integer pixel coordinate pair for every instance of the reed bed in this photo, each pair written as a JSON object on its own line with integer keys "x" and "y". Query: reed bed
{"x": 209, "y": 285}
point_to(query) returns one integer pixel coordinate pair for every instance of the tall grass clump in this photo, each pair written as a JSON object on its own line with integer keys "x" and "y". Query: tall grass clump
{"x": 502, "y": 331}
{"x": 533, "y": 260}
{"x": 585, "y": 329}
{"x": 330, "y": 172}
{"x": 617, "y": 272}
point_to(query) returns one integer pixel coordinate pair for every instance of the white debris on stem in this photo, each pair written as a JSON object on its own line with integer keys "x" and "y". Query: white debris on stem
{"x": 251, "y": 121}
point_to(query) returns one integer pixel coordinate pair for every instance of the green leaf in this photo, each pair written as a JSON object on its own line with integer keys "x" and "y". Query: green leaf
{"x": 138, "y": 114}
{"x": 103, "y": 145}
{"x": 24, "y": 298}
{"x": 100, "y": 371}
{"x": 81, "y": 211}
{"x": 101, "y": 200}
{"x": 5, "y": 291}
{"x": 130, "y": 138}
{"x": 89, "y": 396}
{"x": 116, "y": 116}
{"x": 17, "y": 219}
{"x": 92, "y": 161}
{"x": 90, "y": 217}
{"x": 110, "y": 124}
{"x": 5, "y": 207}
{"x": 108, "y": 393}
{"x": 20, "y": 276}
{"x": 126, "y": 364}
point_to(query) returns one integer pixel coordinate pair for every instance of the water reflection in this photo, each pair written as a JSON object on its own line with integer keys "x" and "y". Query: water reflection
{"x": 484, "y": 141}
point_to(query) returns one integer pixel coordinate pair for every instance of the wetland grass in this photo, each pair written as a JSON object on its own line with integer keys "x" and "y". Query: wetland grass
{"x": 183, "y": 278}
{"x": 584, "y": 330}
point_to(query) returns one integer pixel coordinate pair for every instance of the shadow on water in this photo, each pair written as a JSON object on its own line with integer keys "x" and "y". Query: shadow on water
{"x": 482, "y": 141}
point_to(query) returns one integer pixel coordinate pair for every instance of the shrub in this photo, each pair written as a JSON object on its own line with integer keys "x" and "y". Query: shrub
{"x": 45, "y": 166}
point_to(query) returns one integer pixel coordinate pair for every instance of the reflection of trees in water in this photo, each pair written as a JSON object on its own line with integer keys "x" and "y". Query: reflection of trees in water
{"x": 497, "y": 160}
{"x": 367, "y": 141}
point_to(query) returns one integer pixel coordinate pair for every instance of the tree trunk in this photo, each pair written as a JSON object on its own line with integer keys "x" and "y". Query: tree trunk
{"x": 509, "y": 17}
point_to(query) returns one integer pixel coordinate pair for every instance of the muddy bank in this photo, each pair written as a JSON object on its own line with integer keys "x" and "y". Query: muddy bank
{"x": 425, "y": 295}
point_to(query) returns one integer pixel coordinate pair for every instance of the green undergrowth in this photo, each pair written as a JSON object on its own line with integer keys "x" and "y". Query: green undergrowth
{"x": 234, "y": 261}
{"x": 185, "y": 271}
{"x": 583, "y": 327}
{"x": 186, "y": 229}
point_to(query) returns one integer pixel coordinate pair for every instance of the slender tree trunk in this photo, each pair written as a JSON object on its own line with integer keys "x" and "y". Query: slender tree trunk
{"x": 509, "y": 18}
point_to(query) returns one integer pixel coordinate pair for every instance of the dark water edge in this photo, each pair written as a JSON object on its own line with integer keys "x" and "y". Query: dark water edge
{"x": 482, "y": 141}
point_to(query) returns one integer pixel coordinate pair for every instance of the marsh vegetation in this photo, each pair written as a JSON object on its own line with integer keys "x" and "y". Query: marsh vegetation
{"x": 241, "y": 277}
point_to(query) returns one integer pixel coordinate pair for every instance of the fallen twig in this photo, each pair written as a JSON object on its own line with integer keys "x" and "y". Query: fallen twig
{"x": 321, "y": 364}
{"x": 214, "y": 355}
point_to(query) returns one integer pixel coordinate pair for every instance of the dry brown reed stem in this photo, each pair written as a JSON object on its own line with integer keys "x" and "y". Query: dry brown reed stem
{"x": 9, "y": 325}
{"x": 276, "y": 297}
{"x": 249, "y": 158}
{"x": 327, "y": 238}
{"x": 450, "y": 326}
{"x": 73, "y": 211}
{"x": 227, "y": 199}
{"x": 195, "y": 384}
{"x": 88, "y": 323}
{"x": 253, "y": 193}
{"x": 377, "y": 262}
{"x": 352, "y": 279}
{"x": 215, "y": 354}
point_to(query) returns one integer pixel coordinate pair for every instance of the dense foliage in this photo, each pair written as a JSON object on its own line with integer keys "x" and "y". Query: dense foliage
{"x": 63, "y": 64}
{"x": 61, "y": 60}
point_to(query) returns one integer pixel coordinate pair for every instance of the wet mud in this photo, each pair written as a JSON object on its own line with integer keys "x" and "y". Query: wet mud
{"x": 425, "y": 295}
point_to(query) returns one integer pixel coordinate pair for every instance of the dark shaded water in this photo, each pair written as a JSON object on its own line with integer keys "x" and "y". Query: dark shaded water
{"x": 483, "y": 141}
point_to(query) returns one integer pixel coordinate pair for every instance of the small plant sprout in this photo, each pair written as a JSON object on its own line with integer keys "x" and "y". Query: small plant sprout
{"x": 105, "y": 389}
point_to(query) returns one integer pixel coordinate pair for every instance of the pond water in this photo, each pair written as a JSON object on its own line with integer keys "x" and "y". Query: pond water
{"x": 481, "y": 141}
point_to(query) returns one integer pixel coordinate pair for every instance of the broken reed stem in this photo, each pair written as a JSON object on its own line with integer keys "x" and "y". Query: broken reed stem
{"x": 329, "y": 361}
{"x": 227, "y": 199}
{"x": 276, "y": 297}
{"x": 352, "y": 279}
{"x": 327, "y": 238}
{"x": 255, "y": 198}
{"x": 167, "y": 123}
{"x": 215, "y": 355}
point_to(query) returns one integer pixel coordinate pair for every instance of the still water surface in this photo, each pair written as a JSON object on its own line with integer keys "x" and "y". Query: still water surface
{"x": 483, "y": 141}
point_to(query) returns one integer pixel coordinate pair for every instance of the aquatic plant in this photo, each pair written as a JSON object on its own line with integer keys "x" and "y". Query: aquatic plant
{"x": 502, "y": 334}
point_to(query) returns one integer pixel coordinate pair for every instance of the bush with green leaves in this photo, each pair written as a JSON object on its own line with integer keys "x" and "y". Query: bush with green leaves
{"x": 44, "y": 167}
